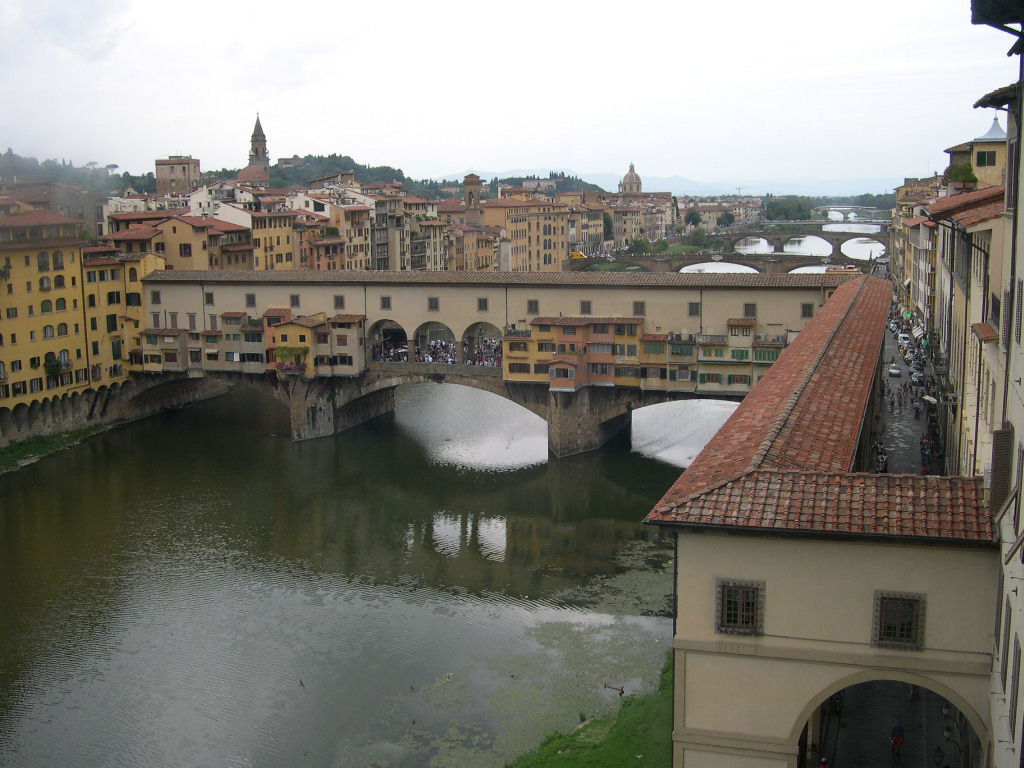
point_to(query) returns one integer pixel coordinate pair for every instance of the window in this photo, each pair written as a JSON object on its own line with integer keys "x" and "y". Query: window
{"x": 750, "y": 310}
{"x": 694, "y": 309}
{"x": 518, "y": 367}
{"x": 569, "y": 330}
{"x": 738, "y": 378}
{"x": 185, "y": 250}
{"x": 113, "y": 297}
{"x": 111, "y": 323}
{"x": 739, "y": 609}
{"x": 517, "y": 346}
{"x": 639, "y": 308}
{"x": 899, "y": 620}
{"x": 807, "y": 310}
{"x": 385, "y": 302}
{"x": 250, "y": 299}
{"x": 740, "y": 354}
{"x": 208, "y": 298}
{"x": 986, "y": 159}
{"x": 45, "y": 306}
{"x": 12, "y": 312}
{"x": 433, "y": 303}
{"x": 533, "y": 306}
{"x": 1014, "y": 688}
{"x": 154, "y": 297}
{"x": 584, "y": 309}
{"x": 481, "y": 304}
{"x": 212, "y": 322}
{"x": 339, "y": 302}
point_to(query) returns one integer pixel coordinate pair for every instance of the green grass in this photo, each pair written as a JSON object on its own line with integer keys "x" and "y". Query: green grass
{"x": 642, "y": 728}
{"x": 40, "y": 446}
{"x": 606, "y": 266}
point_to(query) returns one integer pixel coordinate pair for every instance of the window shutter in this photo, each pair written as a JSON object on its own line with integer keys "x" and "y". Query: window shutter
{"x": 1004, "y": 321}
{"x": 1002, "y": 454}
{"x": 1017, "y": 310}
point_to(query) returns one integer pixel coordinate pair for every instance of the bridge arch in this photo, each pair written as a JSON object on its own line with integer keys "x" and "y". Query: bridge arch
{"x": 706, "y": 265}
{"x": 950, "y": 694}
{"x": 434, "y": 340}
{"x": 387, "y": 340}
{"x": 826, "y": 248}
{"x": 481, "y": 344}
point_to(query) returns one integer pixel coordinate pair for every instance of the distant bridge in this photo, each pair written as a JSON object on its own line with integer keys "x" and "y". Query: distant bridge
{"x": 778, "y": 240}
{"x": 769, "y": 263}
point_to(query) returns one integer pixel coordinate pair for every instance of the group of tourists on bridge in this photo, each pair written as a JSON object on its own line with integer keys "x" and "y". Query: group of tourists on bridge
{"x": 480, "y": 351}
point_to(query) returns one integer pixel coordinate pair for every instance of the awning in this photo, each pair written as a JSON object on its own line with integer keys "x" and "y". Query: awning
{"x": 906, "y": 285}
{"x": 211, "y": 351}
{"x": 918, "y": 333}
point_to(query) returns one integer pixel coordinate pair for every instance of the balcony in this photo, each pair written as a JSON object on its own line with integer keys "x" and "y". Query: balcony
{"x": 292, "y": 369}
{"x": 711, "y": 339}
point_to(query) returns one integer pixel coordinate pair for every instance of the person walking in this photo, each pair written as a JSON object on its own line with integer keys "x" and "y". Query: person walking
{"x": 896, "y": 739}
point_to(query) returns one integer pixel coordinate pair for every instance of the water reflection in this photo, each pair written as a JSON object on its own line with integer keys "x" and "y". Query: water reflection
{"x": 717, "y": 266}
{"x": 167, "y": 586}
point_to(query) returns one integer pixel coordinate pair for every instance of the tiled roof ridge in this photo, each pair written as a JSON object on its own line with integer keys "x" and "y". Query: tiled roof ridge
{"x": 794, "y": 398}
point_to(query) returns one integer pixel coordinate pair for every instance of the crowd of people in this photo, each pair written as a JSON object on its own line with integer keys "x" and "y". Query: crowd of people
{"x": 480, "y": 351}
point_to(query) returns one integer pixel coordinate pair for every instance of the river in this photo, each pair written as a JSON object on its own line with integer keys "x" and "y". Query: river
{"x": 427, "y": 589}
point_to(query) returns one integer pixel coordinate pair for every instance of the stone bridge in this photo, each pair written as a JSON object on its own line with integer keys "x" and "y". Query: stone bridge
{"x": 770, "y": 263}
{"x": 577, "y": 421}
{"x": 778, "y": 240}
{"x": 100, "y": 406}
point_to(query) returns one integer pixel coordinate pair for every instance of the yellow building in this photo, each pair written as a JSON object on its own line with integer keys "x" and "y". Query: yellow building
{"x": 273, "y": 235}
{"x": 43, "y": 349}
{"x": 537, "y": 231}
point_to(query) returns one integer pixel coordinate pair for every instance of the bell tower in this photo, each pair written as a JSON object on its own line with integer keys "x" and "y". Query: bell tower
{"x": 471, "y": 186}
{"x": 258, "y": 147}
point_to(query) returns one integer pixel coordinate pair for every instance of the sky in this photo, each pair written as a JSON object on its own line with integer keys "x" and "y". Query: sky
{"x": 710, "y": 91}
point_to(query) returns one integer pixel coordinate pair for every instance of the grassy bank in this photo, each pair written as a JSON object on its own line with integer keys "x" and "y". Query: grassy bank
{"x": 640, "y": 735}
{"x": 41, "y": 446}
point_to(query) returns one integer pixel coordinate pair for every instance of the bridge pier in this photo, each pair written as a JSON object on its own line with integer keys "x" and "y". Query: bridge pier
{"x": 325, "y": 407}
{"x": 586, "y": 419}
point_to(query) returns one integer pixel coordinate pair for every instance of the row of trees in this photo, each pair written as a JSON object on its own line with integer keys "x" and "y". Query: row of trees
{"x": 693, "y": 218}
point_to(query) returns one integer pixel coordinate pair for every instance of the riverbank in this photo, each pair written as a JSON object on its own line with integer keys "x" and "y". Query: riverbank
{"x": 26, "y": 452}
{"x": 641, "y": 734}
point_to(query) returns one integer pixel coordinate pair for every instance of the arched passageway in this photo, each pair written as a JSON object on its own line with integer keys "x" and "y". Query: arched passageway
{"x": 387, "y": 342}
{"x": 890, "y": 721}
{"x": 435, "y": 343}
{"x": 481, "y": 345}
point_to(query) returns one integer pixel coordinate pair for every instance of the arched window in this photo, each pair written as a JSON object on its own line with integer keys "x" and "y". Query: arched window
{"x": 46, "y": 306}
{"x": 47, "y": 331}
{"x": 3, "y": 370}
{"x": 65, "y": 359}
{"x": 43, "y": 260}
{"x": 58, "y": 260}
{"x": 50, "y": 357}
{"x": 58, "y": 281}
{"x": 60, "y": 305}
{"x": 62, "y": 329}
{"x": 44, "y": 284}
{"x": 133, "y": 274}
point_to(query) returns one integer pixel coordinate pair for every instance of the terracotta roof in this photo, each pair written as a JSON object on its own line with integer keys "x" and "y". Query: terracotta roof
{"x": 87, "y": 249}
{"x": 277, "y": 312}
{"x": 237, "y": 247}
{"x": 146, "y": 215}
{"x": 432, "y": 224}
{"x": 451, "y": 206}
{"x": 356, "y": 208}
{"x": 209, "y": 333}
{"x": 100, "y": 261}
{"x": 134, "y": 232}
{"x": 916, "y": 221}
{"x": 35, "y": 219}
{"x": 584, "y": 320}
{"x": 980, "y": 214}
{"x": 1000, "y": 97}
{"x": 234, "y": 314}
{"x": 308, "y": 322}
{"x": 985, "y": 332}
{"x": 751, "y": 321}
{"x": 782, "y": 461}
{"x": 347, "y": 318}
{"x": 952, "y": 203}
{"x": 654, "y": 337}
{"x": 965, "y": 147}
{"x": 704, "y": 280}
{"x": 859, "y": 504}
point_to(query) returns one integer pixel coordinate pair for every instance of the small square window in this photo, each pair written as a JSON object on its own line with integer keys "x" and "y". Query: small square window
{"x": 293, "y": 300}
{"x": 154, "y": 298}
{"x": 585, "y": 307}
{"x": 209, "y": 298}
{"x": 433, "y": 303}
{"x": 898, "y": 620}
{"x": 750, "y": 310}
{"x": 481, "y": 305}
{"x": 739, "y": 609}
{"x": 807, "y": 310}
{"x": 694, "y": 309}
{"x": 533, "y": 306}
{"x": 639, "y": 308}
{"x": 339, "y": 302}
{"x": 250, "y": 299}
{"x": 385, "y": 302}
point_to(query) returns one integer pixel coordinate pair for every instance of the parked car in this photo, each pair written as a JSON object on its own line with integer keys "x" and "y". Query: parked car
{"x": 903, "y": 339}
{"x": 895, "y": 370}
{"x": 917, "y": 378}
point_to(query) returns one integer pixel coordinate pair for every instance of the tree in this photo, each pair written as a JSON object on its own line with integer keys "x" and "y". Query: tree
{"x": 726, "y": 219}
{"x": 961, "y": 172}
{"x": 639, "y": 246}
{"x": 609, "y": 227}
{"x": 692, "y": 218}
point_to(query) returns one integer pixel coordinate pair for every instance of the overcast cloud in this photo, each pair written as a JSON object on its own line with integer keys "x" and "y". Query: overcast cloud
{"x": 708, "y": 91}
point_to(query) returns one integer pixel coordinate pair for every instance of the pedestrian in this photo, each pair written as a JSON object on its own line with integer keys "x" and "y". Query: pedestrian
{"x": 823, "y": 763}
{"x": 896, "y": 739}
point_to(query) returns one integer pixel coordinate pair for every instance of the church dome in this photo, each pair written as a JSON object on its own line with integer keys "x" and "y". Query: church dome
{"x": 632, "y": 177}
{"x": 995, "y": 133}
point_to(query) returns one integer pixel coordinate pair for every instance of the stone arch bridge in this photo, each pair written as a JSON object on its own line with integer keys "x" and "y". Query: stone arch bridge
{"x": 319, "y": 407}
{"x": 768, "y": 263}
{"x": 778, "y": 240}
